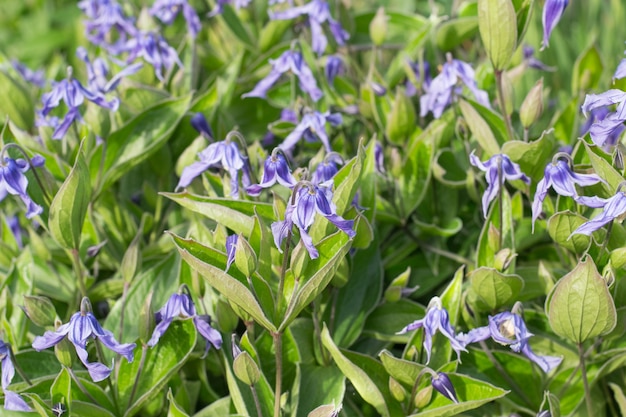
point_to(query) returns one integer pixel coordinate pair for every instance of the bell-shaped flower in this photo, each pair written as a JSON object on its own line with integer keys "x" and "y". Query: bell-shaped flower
{"x": 312, "y": 125}
{"x": 620, "y": 72}
{"x": 317, "y": 12}
{"x": 13, "y": 181}
{"x": 36, "y": 78}
{"x": 288, "y": 61}
{"x": 495, "y": 179}
{"x": 509, "y": 329}
{"x": 223, "y": 154}
{"x": 276, "y": 170}
{"x": 98, "y": 71}
{"x": 155, "y": 50}
{"x": 435, "y": 320}
{"x": 379, "y": 158}
{"x": 552, "y": 12}
{"x": 334, "y": 66}
{"x": 82, "y": 327}
{"x": 231, "y": 250}
{"x": 560, "y": 176}
{"x": 307, "y": 200}
{"x": 327, "y": 169}
{"x": 219, "y": 6}
{"x": 613, "y": 207}
{"x": 441, "y": 382}
{"x": 181, "y": 305}
{"x": 199, "y": 122}
{"x": 106, "y": 24}
{"x": 440, "y": 92}
{"x": 167, "y": 10}
{"x": 606, "y": 128}
{"x": 532, "y": 62}
{"x": 12, "y": 400}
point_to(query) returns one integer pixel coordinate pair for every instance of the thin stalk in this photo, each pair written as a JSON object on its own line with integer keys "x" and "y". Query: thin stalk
{"x": 257, "y": 403}
{"x": 142, "y": 362}
{"x": 500, "y": 200}
{"x": 81, "y": 386}
{"x": 278, "y": 346}
{"x": 505, "y": 375}
{"x": 526, "y": 135}
{"x": 283, "y": 271}
{"x": 78, "y": 271}
{"x": 583, "y": 371}
{"x": 109, "y": 383}
{"x": 124, "y": 298}
{"x": 19, "y": 370}
{"x": 609, "y": 228}
{"x": 507, "y": 119}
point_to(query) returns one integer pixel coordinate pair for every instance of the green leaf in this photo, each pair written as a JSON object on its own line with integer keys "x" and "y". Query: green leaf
{"x": 202, "y": 259}
{"x": 389, "y": 318}
{"x": 359, "y": 378}
{"x": 619, "y": 396}
{"x": 532, "y": 157}
{"x": 69, "y": 207}
{"x": 401, "y": 120}
{"x": 489, "y": 242}
{"x": 315, "y": 385}
{"x": 561, "y": 226}
{"x": 16, "y": 103}
{"x": 494, "y": 289}
{"x": 174, "y": 410}
{"x": 61, "y": 390}
{"x": 236, "y": 26}
{"x": 480, "y": 129}
{"x": 587, "y": 70}
{"x": 497, "y": 23}
{"x": 401, "y": 370}
{"x": 454, "y": 32}
{"x": 603, "y": 168}
{"x": 580, "y": 306}
{"x": 416, "y": 170}
{"x": 136, "y": 141}
{"x": 161, "y": 363}
{"x": 451, "y": 297}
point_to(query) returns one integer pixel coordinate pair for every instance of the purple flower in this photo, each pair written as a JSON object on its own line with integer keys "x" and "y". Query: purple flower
{"x": 317, "y": 12}
{"x": 379, "y": 158}
{"x": 444, "y": 86}
{"x": 288, "y": 61}
{"x": 312, "y": 125}
{"x": 304, "y": 203}
{"x": 224, "y": 154}
{"x": 620, "y": 72}
{"x": 107, "y": 22}
{"x": 424, "y": 80}
{"x": 73, "y": 94}
{"x": 98, "y": 71}
{"x": 378, "y": 89}
{"x": 83, "y": 326}
{"x": 441, "y": 382}
{"x": 612, "y": 207}
{"x": 14, "y": 182}
{"x": 16, "y": 229}
{"x": 181, "y": 305}
{"x": 36, "y": 78}
{"x": 334, "y": 66}
{"x": 12, "y": 400}
{"x": 435, "y": 320}
{"x": 199, "y": 122}
{"x": 327, "y": 169}
{"x": 510, "y": 171}
{"x": 552, "y": 12}
{"x": 219, "y": 7}
{"x": 510, "y": 330}
{"x": 606, "y": 127}
{"x": 532, "y": 62}
{"x": 562, "y": 179}
{"x": 276, "y": 170}
{"x": 231, "y": 247}
{"x": 154, "y": 49}
{"x": 167, "y": 10}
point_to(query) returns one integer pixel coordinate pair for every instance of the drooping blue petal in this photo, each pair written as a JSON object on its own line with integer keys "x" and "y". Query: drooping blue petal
{"x": 552, "y": 12}
{"x": 614, "y": 207}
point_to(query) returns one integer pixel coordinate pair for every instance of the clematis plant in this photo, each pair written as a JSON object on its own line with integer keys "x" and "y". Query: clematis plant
{"x": 13, "y": 180}
{"x": 312, "y": 125}
{"x": 167, "y": 10}
{"x": 276, "y": 170}
{"x": 12, "y": 400}
{"x": 606, "y": 127}
{"x": 552, "y": 12}
{"x": 612, "y": 208}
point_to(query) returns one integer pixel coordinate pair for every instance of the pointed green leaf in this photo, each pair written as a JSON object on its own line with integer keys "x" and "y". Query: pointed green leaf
{"x": 174, "y": 410}
{"x": 587, "y": 70}
{"x": 416, "y": 170}
{"x": 61, "y": 390}
{"x": 16, "y": 103}
{"x": 603, "y": 168}
{"x": 480, "y": 129}
{"x": 493, "y": 289}
{"x": 315, "y": 385}
{"x": 497, "y": 23}
{"x": 580, "y": 306}
{"x": 69, "y": 207}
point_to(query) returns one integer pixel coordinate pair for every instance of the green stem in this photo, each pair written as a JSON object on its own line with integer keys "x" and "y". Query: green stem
{"x": 109, "y": 383}
{"x": 283, "y": 272}
{"x": 257, "y": 403}
{"x": 278, "y": 346}
{"x": 501, "y": 102}
{"x": 78, "y": 271}
{"x": 500, "y": 201}
{"x": 142, "y": 361}
{"x": 583, "y": 371}
{"x": 82, "y": 387}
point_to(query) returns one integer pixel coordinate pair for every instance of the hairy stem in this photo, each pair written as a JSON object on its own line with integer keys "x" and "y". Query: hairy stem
{"x": 257, "y": 403}
{"x": 78, "y": 271}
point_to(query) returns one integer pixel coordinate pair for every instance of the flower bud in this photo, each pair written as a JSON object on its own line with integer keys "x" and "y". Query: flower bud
{"x": 441, "y": 382}
{"x": 497, "y": 23}
{"x": 423, "y": 397}
{"x": 40, "y": 310}
{"x": 299, "y": 260}
{"x": 378, "y": 27}
{"x": 245, "y": 369}
{"x": 245, "y": 258}
{"x": 532, "y": 107}
{"x": 397, "y": 390}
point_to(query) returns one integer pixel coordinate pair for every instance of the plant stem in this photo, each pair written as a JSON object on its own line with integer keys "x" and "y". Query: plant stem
{"x": 81, "y": 386}
{"x": 278, "y": 346}
{"x": 109, "y": 383}
{"x": 78, "y": 271}
{"x": 583, "y": 371}
{"x": 505, "y": 115}
{"x": 500, "y": 201}
{"x": 142, "y": 361}
{"x": 257, "y": 403}
{"x": 283, "y": 271}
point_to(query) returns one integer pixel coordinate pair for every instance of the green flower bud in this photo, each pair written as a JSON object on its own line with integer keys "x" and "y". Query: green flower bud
{"x": 397, "y": 390}
{"x": 63, "y": 349}
{"x": 40, "y": 310}
{"x": 497, "y": 23}
{"x": 378, "y": 27}
{"x": 245, "y": 369}
{"x": 245, "y": 258}
{"x": 423, "y": 397}
{"x": 532, "y": 107}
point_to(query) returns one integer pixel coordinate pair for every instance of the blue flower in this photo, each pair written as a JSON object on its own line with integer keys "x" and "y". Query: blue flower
{"x": 435, "y": 320}
{"x": 107, "y": 21}
{"x": 441, "y": 382}
{"x": 562, "y": 179}
{"x": 317, "y": 12}
{"x": 532, "y": 62}
{"x": 510, "y": 171}
{"x": 606, "y": 127}
{"x": 98, "y": 71}
{"x": 620, "y": 72}
{"x": 509, "y": 329}
{"x": 36, "y": 78}
{"x": 154, "y": 49}
{"x": 552, "y": 12}
{"x": 167, "y": 10}
{"x": 312, "y": 125}
{"x": 306, "y": 200}
{"x": 181, "y": 305}
{"x": 444, "y": 86}
{"x": 224, "y": 154}
{"x": 288, "y": 61}
{"x": 612, "y": 207}
{"x": 424, "y": 79}
{"x": 199, "y": 122}
{"x": 327, "y": 169}
{"x": 14, "y": 182}
{"x": 334, "y": 66}
{"x": 276, "y": 170}
{"x": 83, "y": 326}
{"x": 12, "y": 400}
{"x": 231, "y": 249}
